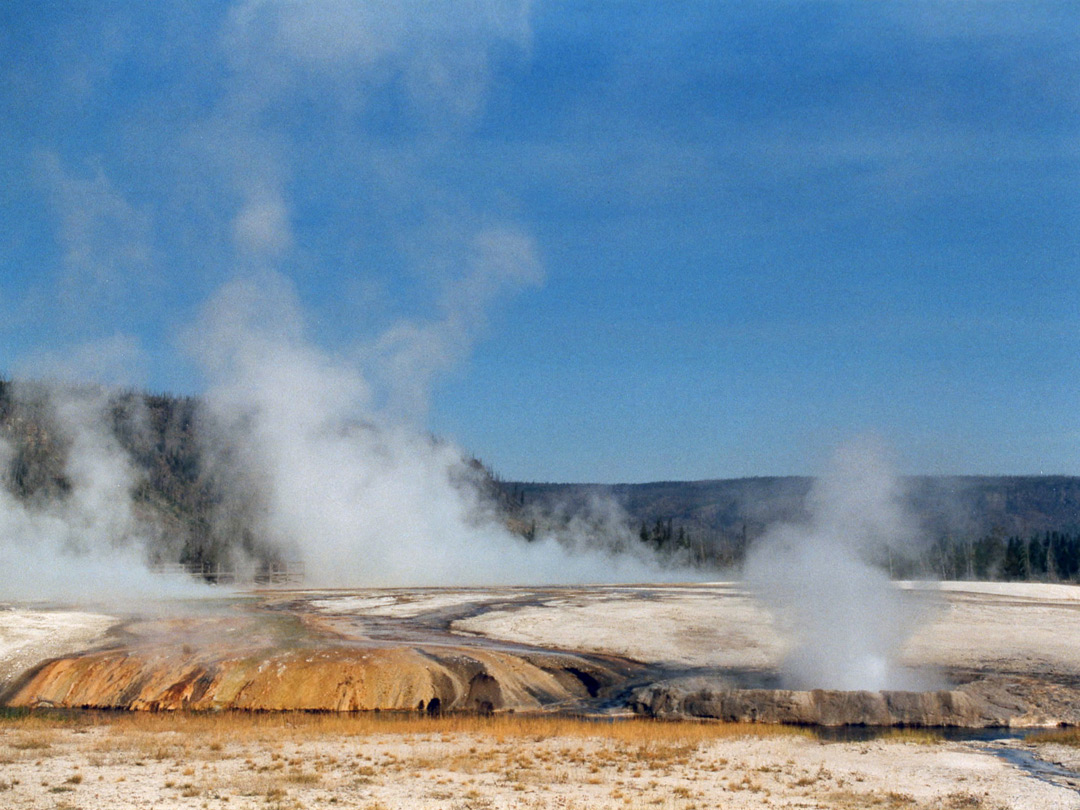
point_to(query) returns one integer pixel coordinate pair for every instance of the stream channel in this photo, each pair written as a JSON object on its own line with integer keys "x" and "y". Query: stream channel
{"x": 1005, "y": 743}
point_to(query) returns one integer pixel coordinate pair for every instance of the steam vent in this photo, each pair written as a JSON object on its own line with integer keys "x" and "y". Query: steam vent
{"x": 989, "y": 655}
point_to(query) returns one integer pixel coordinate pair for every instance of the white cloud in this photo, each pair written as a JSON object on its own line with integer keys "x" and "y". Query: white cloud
{"x": 436, "y": 56}
{"x": 262, "y": 228}
{"x": 439, "y": 53}
{"x": 321, "y": 33}
{"x": 327, "y": 34}
{"x": 410, "y": 355}
{"x": 107, "y": 242}
{"x": 336, "y": 53}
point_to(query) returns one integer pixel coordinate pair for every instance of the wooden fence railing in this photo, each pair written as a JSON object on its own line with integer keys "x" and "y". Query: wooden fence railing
{"x": 288, "y": 573}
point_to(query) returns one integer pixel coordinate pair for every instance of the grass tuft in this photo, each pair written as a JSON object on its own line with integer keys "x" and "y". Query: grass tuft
{"x": 1063, "y": 736}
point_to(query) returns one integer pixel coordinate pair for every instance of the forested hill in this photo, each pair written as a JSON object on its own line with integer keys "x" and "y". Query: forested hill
{"x": 954, "y": 505}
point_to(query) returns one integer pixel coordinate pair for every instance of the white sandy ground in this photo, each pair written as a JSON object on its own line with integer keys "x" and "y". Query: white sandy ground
{"x": 1016, "y": 626}
{"x": 402, "y": 604}
{"x": 1040, "y": 591}
{"x": 708, "y": 625}
{"x": 28, "y": 637}
{"x": 98, "y": 767}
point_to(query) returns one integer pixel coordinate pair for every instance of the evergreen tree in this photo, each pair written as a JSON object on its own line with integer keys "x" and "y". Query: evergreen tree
{"x": 1016, "y": 565}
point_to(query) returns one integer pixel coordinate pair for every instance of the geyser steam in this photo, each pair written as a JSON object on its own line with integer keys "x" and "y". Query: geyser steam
{"x": 304, "y": 465}
{"x": 85, "y": 541}
{"x": 360, "y": 496}
{"x": 846, "y": 617}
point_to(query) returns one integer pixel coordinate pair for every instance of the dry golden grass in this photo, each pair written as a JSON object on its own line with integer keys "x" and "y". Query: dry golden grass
{"x": 922, "y": 736}
{"x": 844, "y": 799}
{"x": 277, "y": 757}
{"x": 217, "y": 730}
{"x": 1062, "y": 736}
{"x": 892, "y": 800}
{"x": 32, "y": 741}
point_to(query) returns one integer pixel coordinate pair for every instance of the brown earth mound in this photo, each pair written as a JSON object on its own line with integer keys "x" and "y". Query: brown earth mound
{"x": 313, "y": 679}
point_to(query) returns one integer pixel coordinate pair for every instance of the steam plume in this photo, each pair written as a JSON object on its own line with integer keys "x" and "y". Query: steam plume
{"x": 84, "y": 542}
{"x": 358, "y": 495}
{"x": 847, "y": 619}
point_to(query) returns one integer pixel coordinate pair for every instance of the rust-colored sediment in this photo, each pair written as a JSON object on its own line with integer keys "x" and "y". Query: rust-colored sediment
{"x": 341, "y": 679}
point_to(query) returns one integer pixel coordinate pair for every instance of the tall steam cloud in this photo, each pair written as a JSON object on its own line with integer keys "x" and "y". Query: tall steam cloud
{"x": 355, "y": 493}
{"x": 312, "y": 457}
{"x": 847, "y": 619}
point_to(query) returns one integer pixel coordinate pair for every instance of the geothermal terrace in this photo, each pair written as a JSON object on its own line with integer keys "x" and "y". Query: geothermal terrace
{"x": 983, "y": 654}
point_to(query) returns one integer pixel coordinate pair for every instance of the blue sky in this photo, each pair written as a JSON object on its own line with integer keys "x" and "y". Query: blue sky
{"x": 590, "y": 241}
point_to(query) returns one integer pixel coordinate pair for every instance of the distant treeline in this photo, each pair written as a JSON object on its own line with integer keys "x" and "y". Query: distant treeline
{"x": 679, "y": 542}
{"x": 1043, "y": 557}
{"x": 967, "y": 527}
{"x": 181, "y": 503}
